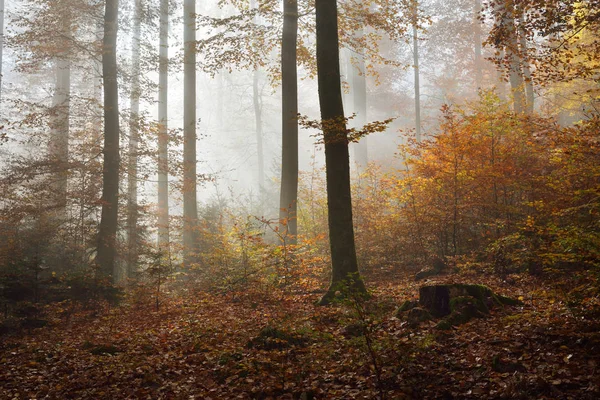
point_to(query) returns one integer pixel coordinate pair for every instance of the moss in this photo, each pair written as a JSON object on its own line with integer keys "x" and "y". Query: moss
{"x": 407, "y": 305}
{"x": 461, "y": 303}
{"x": 443, "y": 325}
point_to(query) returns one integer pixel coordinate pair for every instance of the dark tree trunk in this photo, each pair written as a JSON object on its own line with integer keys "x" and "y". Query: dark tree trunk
{"x": 289, "y": 116}
{"x": 132, "y": 165}
{"x": 163, "y": 136}
{"x": 190, "y": 211}
{"x": 337, "y": 161}
{"x": 110, "y": 173}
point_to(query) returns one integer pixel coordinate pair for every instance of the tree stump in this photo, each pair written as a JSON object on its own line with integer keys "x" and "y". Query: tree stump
{"x": 459, "y": 303}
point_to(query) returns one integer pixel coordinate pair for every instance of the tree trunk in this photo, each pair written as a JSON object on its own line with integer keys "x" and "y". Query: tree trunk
{"x": 515, "y": 76}
{"x": 416, "y": 69}
{"x": 132, "y": 165}
{"x": 110, "y": 173}
{"x": 257, "y": 103}
{"x": 59, "y": 142}
{"x": 1, "y": 41}
{"x": 477, "y": 43}
{"x": 163, "y": 135}
{"x": 359, "y": 91}
{"x": 529, "y": 94}
{"x": 289, "y": 109}
{"x": 337, "y": 160}
{"x": 190, "y": 211}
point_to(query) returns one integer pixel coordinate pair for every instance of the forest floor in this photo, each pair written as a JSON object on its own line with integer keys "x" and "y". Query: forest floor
{"x": 263, "y": 344}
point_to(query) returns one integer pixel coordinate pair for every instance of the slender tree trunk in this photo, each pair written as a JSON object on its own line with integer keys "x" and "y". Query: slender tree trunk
{"x": 190, "y": 210}
{"x": 337, "y": 160}
{"x": 110, "y": 174}
{"x": 163, "y": 135}
{"x": 529, "y": 94}
{"x": 359, "y": 90}
{"x": 257, "y": 103}
{"x": 417, "y": 73}
{"x": 1, "y": 42}
{"x": 59, "y": 142}
{"x": 515, "y": 76}
{"x": 132, "y": 166}
{"x": 477, "y": 43}
{"x": 289, "y": 157}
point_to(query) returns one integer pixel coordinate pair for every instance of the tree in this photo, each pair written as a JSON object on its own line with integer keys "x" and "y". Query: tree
{"x": 134, "y": 127}
{"x": 414, "y": 22}
{"x": 163, "y": 135}
{"x": 1, "y": 41}
{"x": 337, "y": 159}
{"x": 289, "y": 114}
{"x": 190, "y": 207}
{"x": 110, "y": 173}
{"x": 59, "y": 141}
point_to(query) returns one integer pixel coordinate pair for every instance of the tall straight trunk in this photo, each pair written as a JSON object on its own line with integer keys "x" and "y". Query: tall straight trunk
{"x": 1, "y": 41}
{"x": 529, "y": 94}
{"x": 107, "y": 234}
{"x": 257, "y": 103}
{"x": 163, "y": 135}
{"x": 132, "y": 165}
{"x": 417, "y": 73}
{"x": 59, "y": 141}
{"x": 515, "y": 76}
{"x": 289, "y": 118}
{"x": 59, "y": 124}
{"x": 477, "y": 44}
{"x": 190, "y": 210}
{"x": 337, "y": 159}
{"x": 359, "y": 90}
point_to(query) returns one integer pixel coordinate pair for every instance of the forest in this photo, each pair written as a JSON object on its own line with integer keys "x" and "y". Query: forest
{"x": 300, "y": 199}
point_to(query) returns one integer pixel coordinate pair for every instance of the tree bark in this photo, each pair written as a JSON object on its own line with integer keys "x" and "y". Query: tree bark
{"x": 163, "y": 135}
{"x": 337, "y": 160}
{"x": 477, "y": 44}
{"x": 529, "y": 94}
{"x": 110, "y": 173}
{"x": 190, "y": 210}
{"x": 1, "y": 42}
{"x": 289, "y": 145}
{"x": 258, "y": 125}
{"x": 359, "y": 83}
{"x": 132, "y": 165}
{"x": 417, "y": 72}
{"x": 59, "y": 142}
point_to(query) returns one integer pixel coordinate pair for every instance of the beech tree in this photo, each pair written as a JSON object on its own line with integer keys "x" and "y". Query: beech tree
{"x": 289, "y": 114}
{"x": 337, "y": 159}
{"x": 190, "y": 207}
{"x": 132, "y": 165}
{"x": 163, "y": 133}
{"x": 110, "y": 172}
